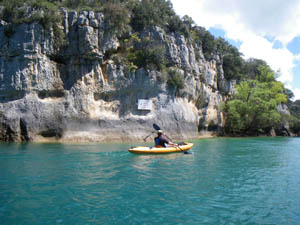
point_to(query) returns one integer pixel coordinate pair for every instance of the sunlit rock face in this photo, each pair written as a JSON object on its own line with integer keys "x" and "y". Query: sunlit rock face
{"x": 78, "y": 94}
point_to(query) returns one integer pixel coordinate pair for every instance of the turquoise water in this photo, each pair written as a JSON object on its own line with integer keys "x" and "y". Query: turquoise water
{"x": 224, "y": 181}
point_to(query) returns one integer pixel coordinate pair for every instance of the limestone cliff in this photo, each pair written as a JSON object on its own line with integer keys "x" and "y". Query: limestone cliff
{"x": 79, "y": 94}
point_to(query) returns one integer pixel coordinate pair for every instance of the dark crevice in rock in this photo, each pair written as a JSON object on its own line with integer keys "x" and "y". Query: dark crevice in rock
{"x": 7, "y": 96}
{"x": 58, "y": 58}
{"x": 202, "y": 122}
{"x": 24, "y": 131}
{"x": 51, "y": 94}
{"x": 282, "y": 131}
{"x": 107, "y": 96}
{"x": 52, "y": 132}
{"x": 6, "y": 132}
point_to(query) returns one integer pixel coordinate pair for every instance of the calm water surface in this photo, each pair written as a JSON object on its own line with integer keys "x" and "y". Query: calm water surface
{"x": 224, "y": 181}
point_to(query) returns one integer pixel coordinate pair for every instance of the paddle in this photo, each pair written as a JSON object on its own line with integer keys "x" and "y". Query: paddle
{"x": 156, "y": 127}
{"x": 145, "y": 138}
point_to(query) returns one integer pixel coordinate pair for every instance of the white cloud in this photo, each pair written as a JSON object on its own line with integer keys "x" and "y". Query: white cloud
{"x": 280, "y": 59}
{"x": 269, "y": 17}
{"x": 296, "y": 92}
{"x": 250, "y": 22}
{"x": 273, "y": 17}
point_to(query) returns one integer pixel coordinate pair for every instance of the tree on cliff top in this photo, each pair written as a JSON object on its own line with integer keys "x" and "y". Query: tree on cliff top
{"x": 151, "y": 13}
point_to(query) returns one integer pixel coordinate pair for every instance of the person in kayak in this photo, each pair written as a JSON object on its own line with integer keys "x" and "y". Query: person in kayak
{"x": 161, "y": 141}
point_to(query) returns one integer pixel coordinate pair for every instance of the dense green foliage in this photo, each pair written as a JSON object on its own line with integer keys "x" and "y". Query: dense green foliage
{"x": 253, "y": 110}
{"x": 44, "y": 12}
{"x": 117, "y": 17}
{"x": 137, "y": 53}
{"x": 233, "y": 64}
{"x": 151, "y": 12}
{"x": 206, "y": 40}
{"x": 251, "y": 67}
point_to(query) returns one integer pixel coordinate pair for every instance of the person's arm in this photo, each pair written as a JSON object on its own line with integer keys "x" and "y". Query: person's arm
{"x": 169, "y": 142}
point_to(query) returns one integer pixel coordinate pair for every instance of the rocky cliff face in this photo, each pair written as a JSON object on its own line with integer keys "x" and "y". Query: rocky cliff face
{"x": 79, "y": 95}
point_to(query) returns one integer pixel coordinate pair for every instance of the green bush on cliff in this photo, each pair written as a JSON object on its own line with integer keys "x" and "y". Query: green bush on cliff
{"x": 126, "y": 54}
{"x": 43, "y": 12}
{"x": 233, "y": 63}
{"x": 117, "y": 17}
{"x": 201, "y": 36}
{"x": 76, "y": 4}
{"x": 137, "y": 53}
{"x": 177, "y": 25}
{"x": 151, "y": 13}
{"x": 175, "y": 79}
{"x": 117, "y": 14}
{"x": 150, "y": 55}
{"x": 12, "y": 11}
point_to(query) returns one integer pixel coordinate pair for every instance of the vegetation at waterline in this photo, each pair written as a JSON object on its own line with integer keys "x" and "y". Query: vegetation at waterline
{"x": 253, "y": 110}
{"x": 294, "y": 108}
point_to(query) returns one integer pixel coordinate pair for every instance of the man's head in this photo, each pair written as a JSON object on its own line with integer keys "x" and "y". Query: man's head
{"x": 159, "y": 132}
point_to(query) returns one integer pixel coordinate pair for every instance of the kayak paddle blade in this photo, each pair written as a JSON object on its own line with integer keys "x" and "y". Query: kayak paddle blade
{"x": 156, "y": 127}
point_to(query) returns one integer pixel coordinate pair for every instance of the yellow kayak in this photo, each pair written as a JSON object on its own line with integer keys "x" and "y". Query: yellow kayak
{"x": 161, "y": 150}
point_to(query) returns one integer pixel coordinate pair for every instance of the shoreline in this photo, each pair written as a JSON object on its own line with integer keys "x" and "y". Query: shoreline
{"x": 131, "y": 141}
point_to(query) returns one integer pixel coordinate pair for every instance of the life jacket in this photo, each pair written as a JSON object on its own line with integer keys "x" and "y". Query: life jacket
{"x": 160, "y": 142}
{"x": 156, "y": 141}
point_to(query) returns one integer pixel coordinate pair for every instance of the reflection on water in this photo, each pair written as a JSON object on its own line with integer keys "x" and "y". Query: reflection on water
{"x": 144, "y": 162}
{"x": 224, "y": 181}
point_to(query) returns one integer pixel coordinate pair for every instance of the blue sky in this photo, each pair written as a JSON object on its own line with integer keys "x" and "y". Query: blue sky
{"x": 268, "y": 30}
{"x": 221, "y": 33}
